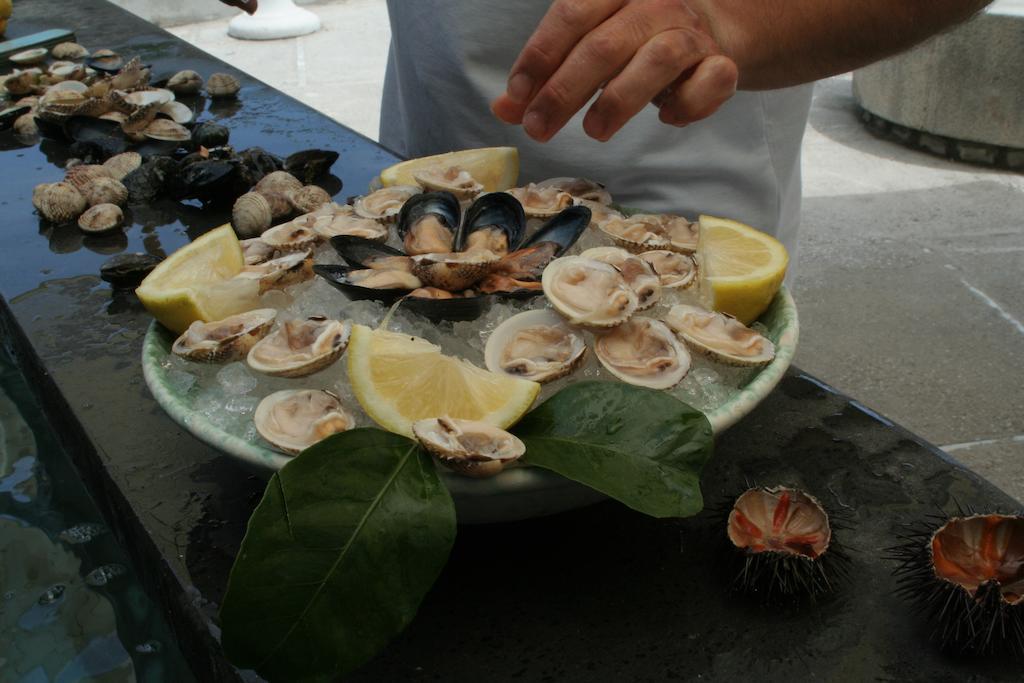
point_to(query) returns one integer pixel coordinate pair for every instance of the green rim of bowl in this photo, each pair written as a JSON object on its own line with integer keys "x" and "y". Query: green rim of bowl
{"x": 780, "y": 320}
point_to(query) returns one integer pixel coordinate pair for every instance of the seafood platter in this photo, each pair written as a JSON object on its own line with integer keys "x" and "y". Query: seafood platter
{"x": 546, "y": 284}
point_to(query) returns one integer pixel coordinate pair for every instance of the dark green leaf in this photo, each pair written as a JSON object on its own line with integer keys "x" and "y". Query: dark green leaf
{"x": 639, "y": 446}
{"x": 347, "y": 540}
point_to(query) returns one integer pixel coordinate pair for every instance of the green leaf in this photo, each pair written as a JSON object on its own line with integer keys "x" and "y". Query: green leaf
{"x": 641, "y": 447}
{"x": 347, "y": 540}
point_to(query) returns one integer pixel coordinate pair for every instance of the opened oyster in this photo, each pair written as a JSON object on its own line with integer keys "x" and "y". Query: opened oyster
{"x": 580, "y": 188}
{"x": 588, "y": 292}
{"x": 476, "y": 449}
{"x": 639, "y": 274}
{"x": 646, "y": 232}
{"x": 643, "y": 352}
{"x": 292, "y": 421}
{"x": 277, "y": 273}
{"x": 535, "y": 345}
{"x": 719, "y": 336}
{"x": 224, "y": 340}
{"x": 300, "y": 347}
{"x": 291, "y": 237}
{"x": 333, "y": 220}
{"x": 675, "y": 270}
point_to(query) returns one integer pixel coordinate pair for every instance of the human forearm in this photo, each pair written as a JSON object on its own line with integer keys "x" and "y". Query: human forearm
{"x": 779, "y": 43}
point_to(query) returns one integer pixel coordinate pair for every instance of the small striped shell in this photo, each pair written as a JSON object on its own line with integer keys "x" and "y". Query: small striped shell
{"x": 105, "y": 190}
{"x": 251, "y": 215}
{"x": 120, "y": 165}
{"x": 61, "y": 203}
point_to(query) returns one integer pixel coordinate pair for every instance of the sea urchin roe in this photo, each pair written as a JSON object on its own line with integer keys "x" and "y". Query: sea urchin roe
{"x": 975, "y": 550}
{"x": 779, "y": 520}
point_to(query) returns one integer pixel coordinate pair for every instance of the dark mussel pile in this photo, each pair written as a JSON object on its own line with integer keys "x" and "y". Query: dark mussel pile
{"x": 453, "y": 263}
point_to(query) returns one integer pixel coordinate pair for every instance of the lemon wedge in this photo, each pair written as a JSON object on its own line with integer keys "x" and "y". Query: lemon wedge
{"x": 399, "y": 379}
{"x": 496, "y": 168}
{"x": 743, "y": 267}
{"x": 195, "y": 282}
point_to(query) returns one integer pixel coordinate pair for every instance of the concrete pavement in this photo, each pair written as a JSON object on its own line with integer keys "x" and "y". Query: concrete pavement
{"x": 909, "y": 266}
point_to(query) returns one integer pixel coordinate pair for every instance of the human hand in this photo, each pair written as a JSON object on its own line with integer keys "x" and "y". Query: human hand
{"x": 247, "y": 5}
{"x": 635, "y": 51}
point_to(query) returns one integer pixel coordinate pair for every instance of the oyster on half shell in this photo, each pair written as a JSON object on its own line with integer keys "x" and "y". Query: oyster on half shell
{"x": 452, "y": 179}
{"x": 719, "y": 336}
{"x": 294, "y": 420}
{"x": 476, "y": 449}
{"x": 588, "y": 292}
{"x": 643, "y": 352}
{"x": 646, "y": 231}
{"x": 300, "y": 347}
{"x": 535, "y": 345}
{"x": 541, "y": 202}
{"x": 675, "y": 270}
{"x": 385, "y": 204}
{"x": 224, "y": 340}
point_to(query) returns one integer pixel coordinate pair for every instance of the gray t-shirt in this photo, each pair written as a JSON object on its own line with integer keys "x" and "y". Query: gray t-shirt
{"x": 450, "y": 58}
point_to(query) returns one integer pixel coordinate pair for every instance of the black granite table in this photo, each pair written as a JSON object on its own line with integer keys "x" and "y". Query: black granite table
{"x": 597, "y": 594}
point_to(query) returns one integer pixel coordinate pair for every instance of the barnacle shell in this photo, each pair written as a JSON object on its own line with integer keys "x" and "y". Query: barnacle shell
{"x": 120, "y": 165}
{"x": 69, "y": 51}
{"x": 309, "y": 198}
{"x": 251, "y": 214}
{"x": 278, "y": 181}
{"x": 101, "y": 218}
{"x": 105, "y": 190}
{"x": 185, "y": 82}
{"x": 222, "y": 85}
{"x": 61, "y": 202}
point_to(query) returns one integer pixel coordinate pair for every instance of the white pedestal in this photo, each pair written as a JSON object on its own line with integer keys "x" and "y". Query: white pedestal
{"x": 274, "y": 19}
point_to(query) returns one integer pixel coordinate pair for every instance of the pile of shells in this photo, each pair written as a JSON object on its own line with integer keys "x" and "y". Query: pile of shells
{"x": 92, "y": 194}
{"x": 278, "y": 195}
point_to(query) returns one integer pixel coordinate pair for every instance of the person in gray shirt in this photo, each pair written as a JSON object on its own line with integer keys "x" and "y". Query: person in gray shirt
{"x": 571, "y": 83}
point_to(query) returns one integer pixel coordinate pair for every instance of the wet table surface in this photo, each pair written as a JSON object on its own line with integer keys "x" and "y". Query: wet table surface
{"x": 601, "y": 593}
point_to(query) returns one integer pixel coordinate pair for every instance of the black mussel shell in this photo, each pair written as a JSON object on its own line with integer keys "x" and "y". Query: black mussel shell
{"x": 128, "y": 270}
{"x": 51, "y": 128}
{"x": 356, "y": 250}
{"x": 209, "y": 134}
{"x": 108, "y": 64}
{"x": 310, "y": 164}
{"x": 10, "y": 115}
{"x": 258, "y": 162}
{"x": 498, "y": 209}
{"x": 563, "y": 229}
{"x": 158, "y": 176}
{"x": 337, "y": 276}
{"x": 107, "y": 136}
{"x": 212, "y": 181}
{"x": 457, "y": 309}
{"x": 158, "y": 148}
{"x": 444, "y": 205}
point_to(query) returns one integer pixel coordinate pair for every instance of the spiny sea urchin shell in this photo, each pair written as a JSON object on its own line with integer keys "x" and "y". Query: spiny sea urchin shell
{"x": 783, "y": 546}
{"x": 966, "y": 576}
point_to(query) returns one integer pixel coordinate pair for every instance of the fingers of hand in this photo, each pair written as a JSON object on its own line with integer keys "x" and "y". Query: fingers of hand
{"x": 564, "y": 24}
{"x": 699, "y": 96}
{"x": 655, "y": 67}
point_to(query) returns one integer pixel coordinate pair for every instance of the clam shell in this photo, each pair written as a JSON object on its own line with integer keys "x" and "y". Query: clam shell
{"x": 38, "y": 192}
{"x": 101, "y": 218}
{"x": 583, "y": 303}
{"x": 185, "y": 82}
{"x": 61, "y": 203}
{"x": 453, "y": 272}
{"x": 21, "y": 83}
{"x": 309, "y": 198}
{"x": 105, "y": 190}
{"x": 476, "y": 449}
{"x": 165, "y": 129}
{"x": 290, "y": 237}
{"x": 542, "y": 369}
{"x": 277, "y": 273}
{"x": 251, "y": 215}
{"x": 222, "y": 85}
{"x": 120, "y": 165}
{"x": 542, "y": 202}
{"x": 224, "y": 340}
{"x": 645, "y": 365}
{"x": 386, "y": 204}
{"x": 294, "y": 420}
{"x": 278, "y": 181}
{"x": 69, "y": 51}
{"x": 83, "y": 174}
{"x": 299, "y": 348}
{"x": 638, "y": 273}
{"x": 29, "y": 57}
{"x": 25, "y": 125}
{"x": 720, "y": 337}
{"x": 280, "y": 206}
{"x": 178, "y": 112}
